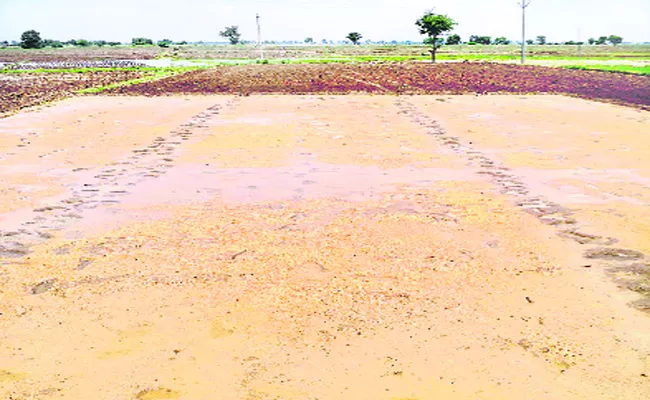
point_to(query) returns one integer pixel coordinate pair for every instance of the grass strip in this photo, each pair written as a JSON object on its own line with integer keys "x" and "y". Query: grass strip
{"x": 626, "y": 69}
{"x": 155, "y": 74}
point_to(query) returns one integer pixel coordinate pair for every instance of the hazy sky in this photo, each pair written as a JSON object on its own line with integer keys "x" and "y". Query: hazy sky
{"x": 194, "y": 20}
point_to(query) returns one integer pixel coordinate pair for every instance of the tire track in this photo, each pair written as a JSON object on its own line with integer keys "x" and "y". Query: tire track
{"x": 628, "y": 268}
{"x": 103, "y": 186}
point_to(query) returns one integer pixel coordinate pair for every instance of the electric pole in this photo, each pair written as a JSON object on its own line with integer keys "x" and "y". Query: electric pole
{"x": 523, "y": 4}
{"x": 259, "y": 36}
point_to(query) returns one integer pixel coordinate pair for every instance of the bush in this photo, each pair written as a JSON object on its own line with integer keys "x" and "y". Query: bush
{"x": 165, "y": 43}
{"x": 453, "y": 39}
{"x": 141, "y": 41}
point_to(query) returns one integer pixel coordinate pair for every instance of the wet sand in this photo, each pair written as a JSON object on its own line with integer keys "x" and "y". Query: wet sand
{"x": 362, "y": 247}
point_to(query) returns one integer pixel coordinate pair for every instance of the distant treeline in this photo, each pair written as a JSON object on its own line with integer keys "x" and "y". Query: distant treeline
{"x": 32, "y": 40}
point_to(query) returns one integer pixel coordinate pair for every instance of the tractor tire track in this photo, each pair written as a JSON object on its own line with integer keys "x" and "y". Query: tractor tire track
{"x": 628, "y": 268}
{"x": 103, "y": 186}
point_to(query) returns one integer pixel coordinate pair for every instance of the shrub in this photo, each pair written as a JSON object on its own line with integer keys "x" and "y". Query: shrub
{"x": 165, "y": 43}
{"x": 141, "y": 41}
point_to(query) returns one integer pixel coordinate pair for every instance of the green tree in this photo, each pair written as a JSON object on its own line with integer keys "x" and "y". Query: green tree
{"x": 141, "y": 42}
{"x": 453, "y": 40}
{"x": 480, "y": 39}
{"x": 591, "y": 41}
{"x": 231, "y": 33}
{"x": 354, "y": 37}
{"x": 501, "y": 40}
{"x": 165, "y": 43}
{"x": 52, "y": 43}
{"x": 309, "y": 40}
{"x": 613, "y": 39}
{"x": 434, "y": 25}
{"x": 601, "y": 40}
{"x": 82, "y": 43}
{"x": 31, "y": 40}
{"x": 541, "y": 40}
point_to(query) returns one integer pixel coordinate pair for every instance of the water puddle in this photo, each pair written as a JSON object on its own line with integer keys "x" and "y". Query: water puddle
{"x": 305, "y": 179}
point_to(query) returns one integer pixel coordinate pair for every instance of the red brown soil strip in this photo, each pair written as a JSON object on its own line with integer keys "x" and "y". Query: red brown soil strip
{"x": 25, "y": 90}
{"x": 405, "y": 78}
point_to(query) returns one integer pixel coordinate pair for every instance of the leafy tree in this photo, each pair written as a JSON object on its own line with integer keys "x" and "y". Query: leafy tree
{"x": 453, "y": 39}
{"x": 592, "y": 41}
{"x": 309, "y": 40}
{"x": 52, "y": 43}
{"x": 434, "y": 25}
{"x": 31, "y": 40}
{"x": 4, "y": 43}
{"x": 480, "y": 39}
{"x": 601, "y": 40}
{"x": 141, "y": 42}
{"x": 82, "y": 43}
{"x": 501, "y": 40}
{"x": 100, "y": 43}
{"x": 530, "y": 41}
{"x": 165, "y": 43}
{"x": 541, "y": 40}
{"x": 113, "y": 43}
{"x": 231, "y": 33}
{"x": 182, "y": 42}
{"x": 354, "y": 37}
{"x": 613, "y": 39}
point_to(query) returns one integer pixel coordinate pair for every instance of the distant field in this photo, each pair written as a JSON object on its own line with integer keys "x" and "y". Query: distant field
{"x": 324, "y": 53}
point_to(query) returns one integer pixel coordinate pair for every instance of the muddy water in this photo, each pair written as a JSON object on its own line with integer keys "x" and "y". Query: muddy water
{"x": 373, "y": 247}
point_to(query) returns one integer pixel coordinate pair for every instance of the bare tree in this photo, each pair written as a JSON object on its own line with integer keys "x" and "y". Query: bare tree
{"x": 523, "y": 4}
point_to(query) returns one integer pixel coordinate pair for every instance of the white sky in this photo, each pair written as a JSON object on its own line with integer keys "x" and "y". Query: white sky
{"x": 194, "y": 20}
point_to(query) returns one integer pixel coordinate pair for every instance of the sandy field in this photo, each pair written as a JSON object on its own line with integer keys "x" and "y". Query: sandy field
{"x": 325, "y": 247}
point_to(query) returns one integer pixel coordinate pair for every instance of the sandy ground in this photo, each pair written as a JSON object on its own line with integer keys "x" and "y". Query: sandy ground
{"x": 315, "y": 247}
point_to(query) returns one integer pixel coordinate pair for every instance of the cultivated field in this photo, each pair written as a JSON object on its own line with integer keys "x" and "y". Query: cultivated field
{"x": 348, "y": 231}
{"x": 25, "y": 88}
{"x": 317, "y": 52}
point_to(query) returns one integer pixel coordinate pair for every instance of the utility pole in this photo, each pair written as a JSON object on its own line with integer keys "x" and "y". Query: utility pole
{"x": 523, "y": 4}
{"x": 579, "y": 45}
{"x": 259, "y": 36}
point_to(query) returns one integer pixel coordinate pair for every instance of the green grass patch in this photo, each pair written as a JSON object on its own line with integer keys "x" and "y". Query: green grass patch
{"x": 627, "y": 69}
{"x": 153, "y": 74}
